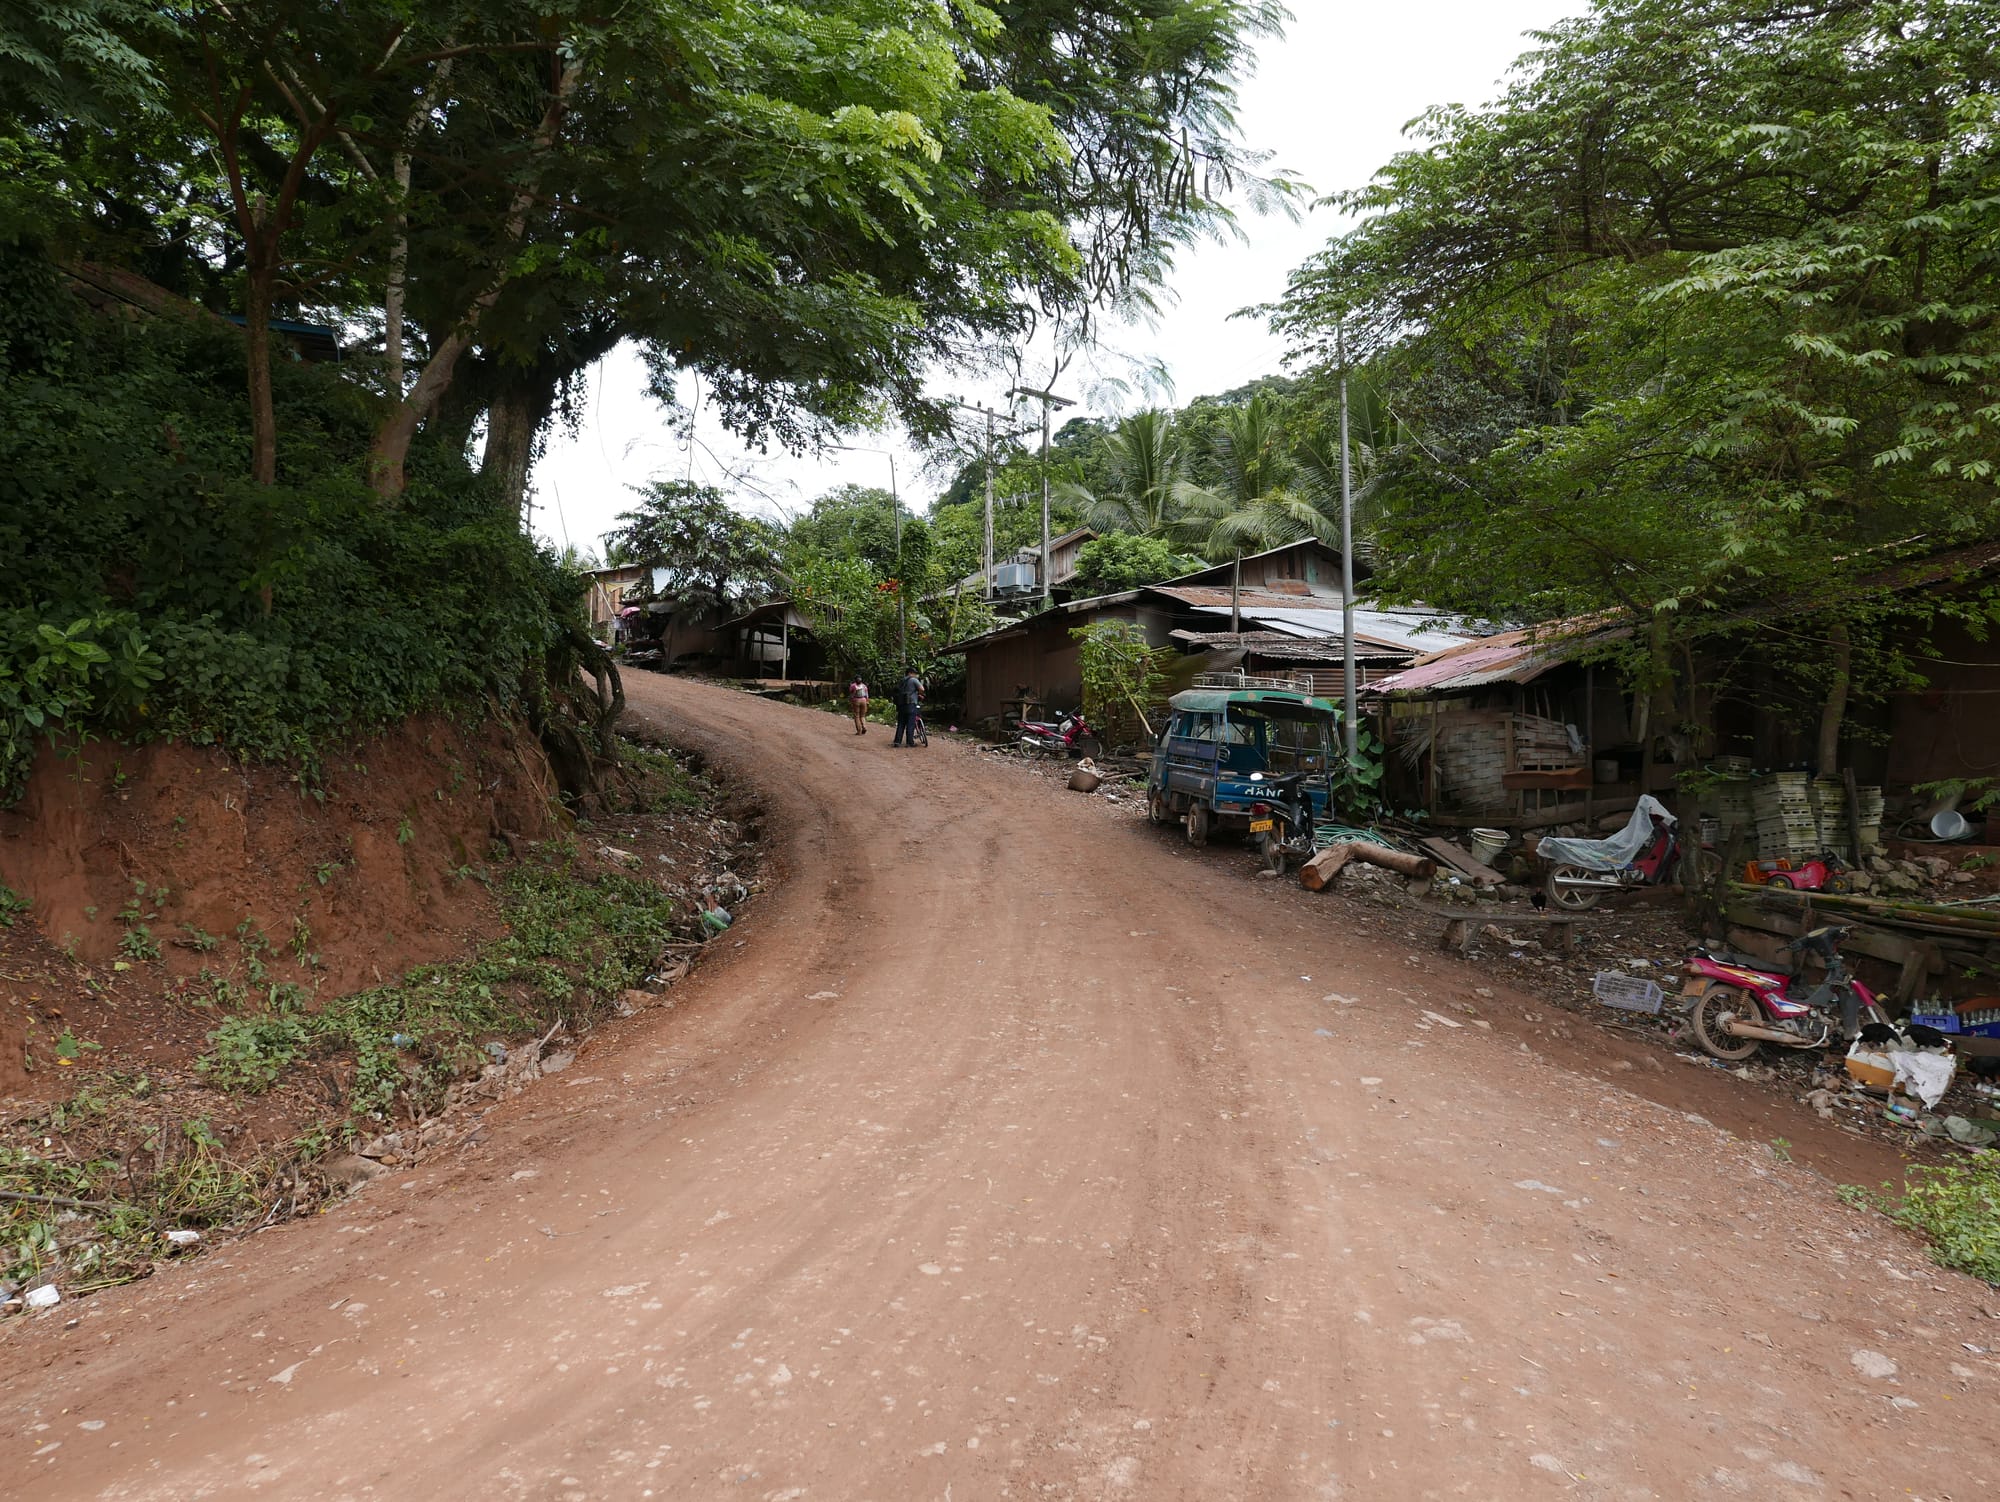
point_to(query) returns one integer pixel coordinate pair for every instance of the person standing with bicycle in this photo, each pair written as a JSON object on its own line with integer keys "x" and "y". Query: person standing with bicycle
{"x": 909, "y": 698}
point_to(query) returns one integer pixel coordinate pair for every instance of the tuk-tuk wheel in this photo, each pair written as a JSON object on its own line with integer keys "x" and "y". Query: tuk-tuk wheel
{"x": 1197, "y": 824}
{"x": 1158, "y": 809}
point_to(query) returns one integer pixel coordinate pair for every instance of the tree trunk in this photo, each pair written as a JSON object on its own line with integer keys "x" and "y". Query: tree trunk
{"x": 1834, "y": 712}
{"x": 390, "y": 450}
{"x": 400, "y": 169}
{"x": 513, "y": 421}
{"x": 257, "y": 359}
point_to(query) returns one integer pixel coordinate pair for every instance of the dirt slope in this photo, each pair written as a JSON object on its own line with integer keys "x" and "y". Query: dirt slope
{"x": 994, "y": 1163}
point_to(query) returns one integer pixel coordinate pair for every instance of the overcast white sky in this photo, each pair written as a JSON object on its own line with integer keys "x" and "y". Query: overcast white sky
{"x": 1330, "y": 100}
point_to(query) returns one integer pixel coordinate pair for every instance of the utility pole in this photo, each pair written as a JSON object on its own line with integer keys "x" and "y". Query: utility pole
{"x": 1049, "y": 401}
{"x": 1350, "y": 728}
{"x": 986, "y": 555}
{"x": 896, "y": 509}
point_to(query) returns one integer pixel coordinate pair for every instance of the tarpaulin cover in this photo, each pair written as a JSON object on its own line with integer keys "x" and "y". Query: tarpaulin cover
{"x": 1615, "y": 852}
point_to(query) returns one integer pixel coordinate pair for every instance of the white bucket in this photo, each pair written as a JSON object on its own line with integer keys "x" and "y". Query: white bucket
{"x": 1949, "y": 824}
{"x": 1487, "y": 843}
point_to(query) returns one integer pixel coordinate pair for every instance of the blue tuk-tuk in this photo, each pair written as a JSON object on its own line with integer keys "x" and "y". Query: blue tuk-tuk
{"x": 1225, "y": 737}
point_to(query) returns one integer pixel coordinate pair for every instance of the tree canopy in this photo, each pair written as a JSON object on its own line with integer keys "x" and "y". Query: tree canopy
{"x": 1705, "y": 301}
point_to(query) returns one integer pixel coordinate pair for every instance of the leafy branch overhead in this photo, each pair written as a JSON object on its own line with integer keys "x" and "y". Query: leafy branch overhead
{"x": 1704, "y": 303}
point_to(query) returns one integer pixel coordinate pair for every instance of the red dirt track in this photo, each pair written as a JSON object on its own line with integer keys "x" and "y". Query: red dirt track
{"x": 1002, "y": 1154}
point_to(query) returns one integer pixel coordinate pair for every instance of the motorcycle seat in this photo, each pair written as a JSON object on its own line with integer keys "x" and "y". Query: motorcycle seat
{"x": 1751, "y": 962}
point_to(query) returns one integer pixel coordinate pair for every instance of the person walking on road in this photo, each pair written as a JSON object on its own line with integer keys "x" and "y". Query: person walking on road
{"x": 909, "y": 694}
{"x": 857, "y": 703}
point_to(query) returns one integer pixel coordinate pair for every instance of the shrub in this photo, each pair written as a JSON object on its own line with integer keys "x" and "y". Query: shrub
{"x": 1957, "y": 1206}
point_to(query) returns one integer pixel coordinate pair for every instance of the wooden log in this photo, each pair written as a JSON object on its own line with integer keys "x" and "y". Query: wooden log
{"x": 1317, "y": 874}
{"x": 1417, "y": 867}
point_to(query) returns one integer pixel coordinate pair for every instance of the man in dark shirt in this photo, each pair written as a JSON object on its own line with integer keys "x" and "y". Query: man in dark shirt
{"x": 909, "y": 694}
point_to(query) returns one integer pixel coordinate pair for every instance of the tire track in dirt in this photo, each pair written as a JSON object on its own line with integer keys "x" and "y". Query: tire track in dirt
{"x": 1076, "y": 1187}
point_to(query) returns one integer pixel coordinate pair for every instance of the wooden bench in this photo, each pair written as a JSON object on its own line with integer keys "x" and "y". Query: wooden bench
{"x": 1462, "y": 924}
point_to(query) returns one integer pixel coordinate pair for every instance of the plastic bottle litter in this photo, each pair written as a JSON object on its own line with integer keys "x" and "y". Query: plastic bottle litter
{"x": 402, "y": 1040}
{"x": 45, "y": 1297}
{"x": 183, "y": 1238}
{"x": 715, "y": 919}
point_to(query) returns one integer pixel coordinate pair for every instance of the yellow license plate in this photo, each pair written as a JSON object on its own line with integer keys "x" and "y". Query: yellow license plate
{"x": 1259, "y": 826}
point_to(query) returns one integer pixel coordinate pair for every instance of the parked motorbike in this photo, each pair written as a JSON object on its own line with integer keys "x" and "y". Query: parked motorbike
{"x": 1069, "y": 736}
{"x": 1281, "y": 821}
{"x": 1739, "y": 1003}
{"x": 1576, "y": 888}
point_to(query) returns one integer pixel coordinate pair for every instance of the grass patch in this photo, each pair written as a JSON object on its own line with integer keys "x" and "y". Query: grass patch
{"x": 144, "y": 1156}
{"x": 1956, "y": 1206}
{"x": 574, "y": 939}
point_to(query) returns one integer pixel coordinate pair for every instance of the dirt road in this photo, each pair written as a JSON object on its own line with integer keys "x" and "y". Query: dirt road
{"x": 1013, "y": 1151}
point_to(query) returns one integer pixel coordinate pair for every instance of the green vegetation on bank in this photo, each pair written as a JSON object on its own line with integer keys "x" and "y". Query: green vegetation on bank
{"x": 1955, "y": 1206}
{"x": 575, "y": 935}
{"x": 153, "y": 591}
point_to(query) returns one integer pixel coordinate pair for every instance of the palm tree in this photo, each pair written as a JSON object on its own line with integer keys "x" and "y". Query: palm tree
{"x": 1147, "y": 468}
{"x": 1373, "y": 437}
{"x": 1265, "y": 497}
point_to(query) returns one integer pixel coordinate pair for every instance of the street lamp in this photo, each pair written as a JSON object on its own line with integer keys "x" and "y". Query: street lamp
{"x": 896, "y": 507}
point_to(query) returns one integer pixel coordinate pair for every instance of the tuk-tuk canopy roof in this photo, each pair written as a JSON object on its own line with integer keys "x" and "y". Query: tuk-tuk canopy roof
{"x": 1269, "y": 700}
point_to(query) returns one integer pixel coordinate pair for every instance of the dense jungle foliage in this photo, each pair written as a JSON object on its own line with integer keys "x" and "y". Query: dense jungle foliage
{"x": 152, "y": 589}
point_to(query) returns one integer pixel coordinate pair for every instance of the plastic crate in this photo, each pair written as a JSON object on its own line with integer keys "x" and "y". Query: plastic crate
{"x": 1628, "y": 993}
{"x": 1944, "y": 1022}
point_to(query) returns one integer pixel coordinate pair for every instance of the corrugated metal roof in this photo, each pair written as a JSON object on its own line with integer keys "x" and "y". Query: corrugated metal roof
{"x": 1506, "y": 657}
{"x": 1276, "y": 644}
{"x": 1401, "y": 630}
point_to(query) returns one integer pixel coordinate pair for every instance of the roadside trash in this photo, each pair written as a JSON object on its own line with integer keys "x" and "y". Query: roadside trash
{"x": 715, "y": 919}
{"x": 1926, "y": 1075}
{"x": 183, "y": 1238}
{"x": 1084, "y": 780}
{"x": 1628, "y": 993}
{"x": 1869, "y": 1069}
{"x": 45, "y": 1297}
{"x": 497, "y": 1051}
{"x": 1902, "y": 1111}
{"x": 401, "y": 1040}
{"x": 1964, "y": 1130}
{"x": 613, "y": 853}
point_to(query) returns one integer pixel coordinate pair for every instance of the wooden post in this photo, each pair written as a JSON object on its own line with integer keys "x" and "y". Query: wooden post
{"x": 1853, "y": 813}
{"x": 1590, "y": 745}
{"x": 785, "y": 651}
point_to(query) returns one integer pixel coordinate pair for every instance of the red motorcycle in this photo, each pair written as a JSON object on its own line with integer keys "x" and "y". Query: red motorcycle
{"x": 1069, "y": 736}
{"x": 1654, "y": 859}
{"x": 1740, "y": 1003}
